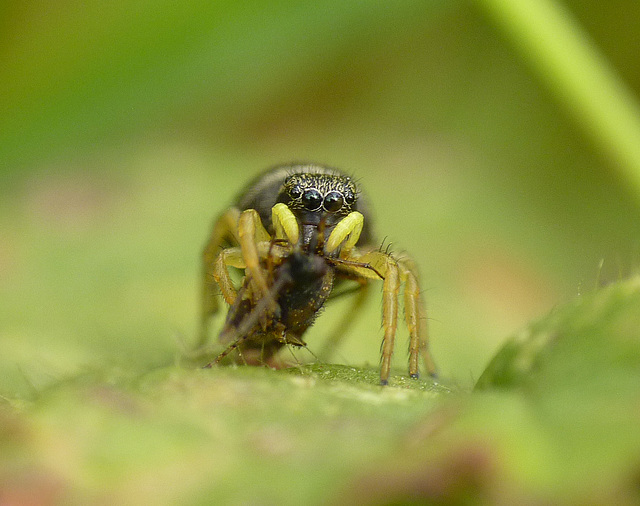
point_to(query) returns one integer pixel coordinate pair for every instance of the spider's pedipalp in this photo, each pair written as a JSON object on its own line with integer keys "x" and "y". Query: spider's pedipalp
{"x": 346, "y": 233}
{"x": 285, "y": 224}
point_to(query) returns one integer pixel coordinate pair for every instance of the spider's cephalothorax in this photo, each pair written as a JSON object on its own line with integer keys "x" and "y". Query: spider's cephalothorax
{"x": 295, "y": 232}
{"x": 312, "y": 192}
{"x": 318, "y": 197}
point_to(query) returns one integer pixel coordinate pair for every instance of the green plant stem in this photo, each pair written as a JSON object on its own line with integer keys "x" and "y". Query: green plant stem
{"x": 572, "y": 67}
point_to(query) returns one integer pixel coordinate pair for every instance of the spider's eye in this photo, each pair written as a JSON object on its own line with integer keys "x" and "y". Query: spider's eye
{"x": 312, "y": 199}
{"x": 295, "y": 192}
{"x": 349, "y": 197}
{"x": 333, "y": 202}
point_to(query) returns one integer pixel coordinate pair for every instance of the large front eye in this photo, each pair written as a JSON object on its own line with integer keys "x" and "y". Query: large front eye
{"x": 333, "y": 202}
{"x": 312, "y": 199}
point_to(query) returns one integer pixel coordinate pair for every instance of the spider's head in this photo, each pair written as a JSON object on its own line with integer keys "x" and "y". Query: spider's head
{"x": 319, "y": 197}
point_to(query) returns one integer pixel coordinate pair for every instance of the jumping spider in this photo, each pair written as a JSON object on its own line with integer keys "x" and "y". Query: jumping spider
{"x": 296, "y": 232}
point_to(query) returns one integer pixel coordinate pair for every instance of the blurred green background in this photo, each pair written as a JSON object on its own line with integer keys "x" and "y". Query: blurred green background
{"x": 126, "y": 127}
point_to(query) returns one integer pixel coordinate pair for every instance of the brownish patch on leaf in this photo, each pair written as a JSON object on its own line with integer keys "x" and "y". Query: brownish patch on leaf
{"x": 456, "y": 478}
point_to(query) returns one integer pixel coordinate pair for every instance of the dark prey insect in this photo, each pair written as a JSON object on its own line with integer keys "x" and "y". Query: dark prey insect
{"x": 295, "y": 233}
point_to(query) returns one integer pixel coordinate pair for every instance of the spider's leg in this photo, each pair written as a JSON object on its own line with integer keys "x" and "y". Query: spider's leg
{"x": 224, "y": 231}
{"x": 390, "y": 289}
{"x": 376, "y": 264}
{"x": 404, "y": 271}
{"x": 250, "y": 232}
{"x": 415, "y": 316}
{"x": 230, "y": 257}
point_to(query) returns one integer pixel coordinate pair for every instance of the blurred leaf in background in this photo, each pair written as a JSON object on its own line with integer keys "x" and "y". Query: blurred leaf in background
{"x": 126, "y": 127}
